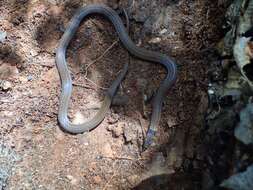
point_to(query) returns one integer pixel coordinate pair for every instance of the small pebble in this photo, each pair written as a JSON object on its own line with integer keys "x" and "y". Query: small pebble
{"x": 2, "y": 36}
{"x": 210, "y": 91}
{"x": 30, "y": 77}
{"x": 33, "y": 53}
{"x": 5, "y": 85}
{"x": 163, "y": 31}
{"x": 155, "y": 40}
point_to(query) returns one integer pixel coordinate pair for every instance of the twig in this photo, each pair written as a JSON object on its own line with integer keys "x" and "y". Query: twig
{"x": 82, "y": 85}
{"x": 101, "y": 56}
{"x": 124, "y": 158}
{"x": 86, "y": 68}
{"x": 98, "y": 86}
{"x": 87, "y": 79}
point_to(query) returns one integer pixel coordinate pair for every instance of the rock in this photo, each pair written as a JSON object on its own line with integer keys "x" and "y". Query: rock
{"x": 225, "y": 119}
{"x": 243, "y": 46}
{"x": 30, "y": 77}
{"x": 155, "y": 40}
{"x": 244, "y": 130}
{"x": 5, "y": 85}
{"x": 155, "y": 15}
{"x": 2, "y": 36}
{"x": 240, "y": 181}
{"x": 163, "y": 31}
{"x": 33, "y": 53}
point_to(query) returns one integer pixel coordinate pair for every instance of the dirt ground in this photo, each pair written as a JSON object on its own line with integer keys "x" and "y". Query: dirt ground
{"x": 37, "y": 154}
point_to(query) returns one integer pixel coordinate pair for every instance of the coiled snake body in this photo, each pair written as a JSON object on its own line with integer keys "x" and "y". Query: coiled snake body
{"x": 138, "y": 52}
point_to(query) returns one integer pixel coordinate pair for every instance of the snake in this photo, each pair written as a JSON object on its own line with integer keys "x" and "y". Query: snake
{"x": 129, "y": 45}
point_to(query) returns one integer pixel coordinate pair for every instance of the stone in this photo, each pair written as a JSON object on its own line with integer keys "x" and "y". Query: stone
{"x": 163, "y": 31}
{"x": 155, "y": 40}
{"x": 240, "y": 181}
{"x": 3, "y": 36}
{"x": 30, "y": 77}
{"x": 5, "y": 85}
{"x": 33, "y": 53}
{"x": 244, "y": 130}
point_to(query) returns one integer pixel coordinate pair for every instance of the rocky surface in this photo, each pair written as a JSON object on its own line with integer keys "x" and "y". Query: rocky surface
{"x": 228, "y": 133}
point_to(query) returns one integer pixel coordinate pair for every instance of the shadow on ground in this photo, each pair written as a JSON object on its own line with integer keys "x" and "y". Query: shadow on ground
{"x": 8, "y": 55}
{"x": 168, "y": 182}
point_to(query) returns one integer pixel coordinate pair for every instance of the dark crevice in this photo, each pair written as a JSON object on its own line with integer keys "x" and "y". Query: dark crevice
{"x": 248, "y": 70}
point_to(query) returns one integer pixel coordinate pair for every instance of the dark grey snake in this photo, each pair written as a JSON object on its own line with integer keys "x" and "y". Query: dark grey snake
{"x": 138, "y": 52}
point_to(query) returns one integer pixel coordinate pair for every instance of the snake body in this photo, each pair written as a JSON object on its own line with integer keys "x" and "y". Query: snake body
{"x": 138, "y": 52}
